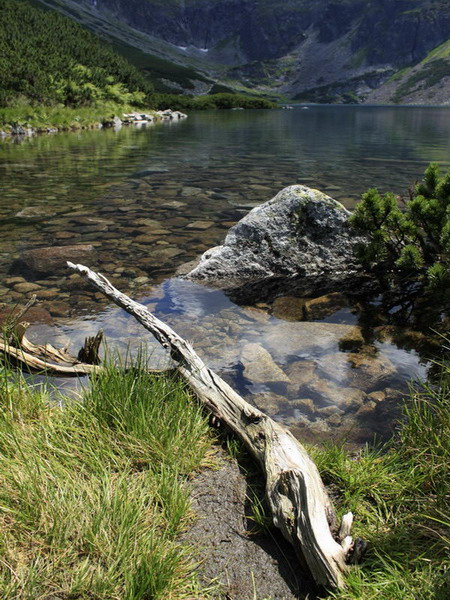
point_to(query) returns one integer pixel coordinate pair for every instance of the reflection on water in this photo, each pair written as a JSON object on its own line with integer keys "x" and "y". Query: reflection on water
{"x": 149, "y": 200}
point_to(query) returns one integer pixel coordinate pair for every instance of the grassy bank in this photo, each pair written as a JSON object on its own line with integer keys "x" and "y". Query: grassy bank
{"x": 92, "y": 498}
{"x": 61, "y": 117}
{"x": 401, "y": 499}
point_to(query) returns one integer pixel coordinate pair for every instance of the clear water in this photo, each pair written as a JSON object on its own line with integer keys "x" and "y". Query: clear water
{"x": 138, "y": 196}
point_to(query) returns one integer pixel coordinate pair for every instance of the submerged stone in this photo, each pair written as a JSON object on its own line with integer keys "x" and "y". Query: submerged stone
{"x": 26, "y": 287}
{"x": 54, "y": 259}
{"x": 324, "y": 306}
{"x": 259, "y": 365}
{"x": 37, "y": 212}
{"x": 288, "y": 308}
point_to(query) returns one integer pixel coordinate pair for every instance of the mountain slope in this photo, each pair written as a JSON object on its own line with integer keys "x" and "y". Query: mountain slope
{"x": 323, "y": 50}
{"x": 428, "y": 82}
{"x": 46, "y": 58}
{"x": 161, "y": 63}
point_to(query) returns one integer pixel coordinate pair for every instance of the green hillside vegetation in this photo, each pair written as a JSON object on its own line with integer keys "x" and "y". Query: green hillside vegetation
{"x": 159, "y": 71}
{"x": 428, "y": 76}
{"x": 46, "y": 58}
{"x": 210, "y": 102}
{"x": 55, "y": 73}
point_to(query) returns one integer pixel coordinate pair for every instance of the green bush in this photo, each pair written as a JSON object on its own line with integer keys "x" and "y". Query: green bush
{"x": 408, "y": 239}
{"x": 209, "y": 102}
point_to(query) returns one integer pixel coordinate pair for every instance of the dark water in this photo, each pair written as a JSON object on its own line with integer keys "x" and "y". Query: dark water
{"x": 151, "y": 199}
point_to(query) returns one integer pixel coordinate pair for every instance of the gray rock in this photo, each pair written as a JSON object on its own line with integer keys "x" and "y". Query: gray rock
{"x": 54, "y": 259}
{"x": 259, "y": 365}
{"x": 300, "y": 237}
{"x": 115, "y": 122}
{"x": 179, "y": 115}
{"x": 20, "y": 130}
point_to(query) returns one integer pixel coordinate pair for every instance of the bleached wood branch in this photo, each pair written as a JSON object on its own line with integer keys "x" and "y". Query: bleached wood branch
{"x": 300, "y": 505}
{"x": 45, "y": 364}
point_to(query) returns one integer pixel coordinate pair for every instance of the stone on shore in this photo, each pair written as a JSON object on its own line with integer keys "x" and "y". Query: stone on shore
{"x": 300, "y": 239}
{"x": 113, "y": 121}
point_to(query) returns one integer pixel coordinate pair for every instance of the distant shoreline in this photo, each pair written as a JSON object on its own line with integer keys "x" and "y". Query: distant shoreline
{"x": 24, "y": 128}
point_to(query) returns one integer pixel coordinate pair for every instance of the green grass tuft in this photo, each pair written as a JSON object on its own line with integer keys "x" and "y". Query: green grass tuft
{"x": 401, "y": 499}
{"x": 92, "y": 499}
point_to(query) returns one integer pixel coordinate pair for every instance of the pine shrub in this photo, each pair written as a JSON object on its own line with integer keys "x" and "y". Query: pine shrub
{"x": 408, "y": 239}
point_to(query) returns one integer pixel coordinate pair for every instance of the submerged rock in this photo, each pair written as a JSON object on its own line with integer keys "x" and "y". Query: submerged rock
{"x": 113, "y": 121}
{"x": 324, "y": 306}
{"x": 289, "y": 308}
{"x": 299, "y": 240}
{"x": 259, "y": 366}
{"x": 54, "y": 259}
{"x": 38, "y": 212}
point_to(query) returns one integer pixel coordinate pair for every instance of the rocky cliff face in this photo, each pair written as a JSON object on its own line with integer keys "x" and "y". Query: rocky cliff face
{"x": 316, "y": 50}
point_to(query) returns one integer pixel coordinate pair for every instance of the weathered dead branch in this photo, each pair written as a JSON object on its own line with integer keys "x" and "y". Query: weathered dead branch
{"x": 29, "y": 361}
{"x": 46, "y": 358}
{"x": 300, "y": 505}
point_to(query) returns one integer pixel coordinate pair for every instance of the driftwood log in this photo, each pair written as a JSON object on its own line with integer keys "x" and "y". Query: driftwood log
{"x": 300, "y": 505}
{"x": 43, "y": 359}
{"x": 46, "y": 358}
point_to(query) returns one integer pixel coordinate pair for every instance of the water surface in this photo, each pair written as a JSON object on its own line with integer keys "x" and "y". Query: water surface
{"x": 151, "y": 199}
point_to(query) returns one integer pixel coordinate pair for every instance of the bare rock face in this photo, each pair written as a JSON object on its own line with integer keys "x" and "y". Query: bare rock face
{"x": 300, "y": 240}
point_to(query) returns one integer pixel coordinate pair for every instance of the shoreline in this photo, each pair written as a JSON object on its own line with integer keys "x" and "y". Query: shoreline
{"x": 17, "y": 130}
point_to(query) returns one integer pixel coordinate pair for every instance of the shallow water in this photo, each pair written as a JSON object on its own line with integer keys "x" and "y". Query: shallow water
{"x": 151, "y": 199}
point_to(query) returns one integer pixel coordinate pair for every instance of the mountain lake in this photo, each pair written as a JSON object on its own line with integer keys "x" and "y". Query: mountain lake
{"x": 150, "y": 199}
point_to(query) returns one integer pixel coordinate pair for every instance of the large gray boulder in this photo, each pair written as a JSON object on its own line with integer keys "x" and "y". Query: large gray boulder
{"x": 301, "y": 240}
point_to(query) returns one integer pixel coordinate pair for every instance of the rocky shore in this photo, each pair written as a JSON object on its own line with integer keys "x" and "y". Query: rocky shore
{"x": 133, "y": 118}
